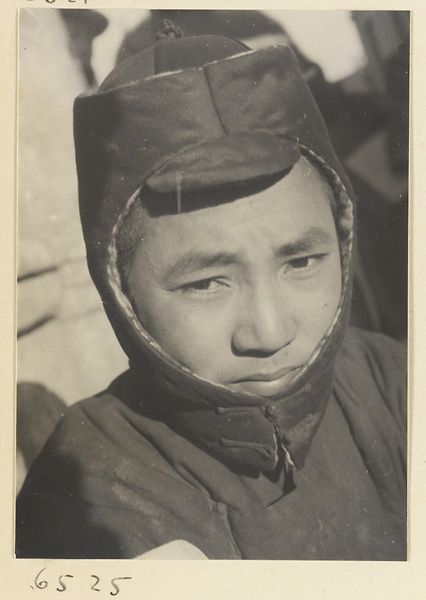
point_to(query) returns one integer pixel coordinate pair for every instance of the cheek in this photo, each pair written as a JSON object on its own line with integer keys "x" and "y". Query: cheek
{"x": 317, "y": 309}
{"x": 195, "y": 337}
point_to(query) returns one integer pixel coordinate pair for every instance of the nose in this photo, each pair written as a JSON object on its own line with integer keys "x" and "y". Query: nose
{"x": 264, "y": 324}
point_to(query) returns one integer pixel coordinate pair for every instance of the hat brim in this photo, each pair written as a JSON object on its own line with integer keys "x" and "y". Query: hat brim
{"x": 226, "y": 160}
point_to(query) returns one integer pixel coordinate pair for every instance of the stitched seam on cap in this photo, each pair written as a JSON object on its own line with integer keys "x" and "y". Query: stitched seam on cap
{"x": 168, "y": 73}
{"x": 213, "y": 99}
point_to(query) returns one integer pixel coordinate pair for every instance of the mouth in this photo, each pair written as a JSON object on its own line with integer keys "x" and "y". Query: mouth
{"x": 266, "y": 383}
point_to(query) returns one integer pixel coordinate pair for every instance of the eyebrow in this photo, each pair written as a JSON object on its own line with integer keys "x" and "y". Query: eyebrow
{"x": 310, "y": 240}
{"x": 197, "y": 261}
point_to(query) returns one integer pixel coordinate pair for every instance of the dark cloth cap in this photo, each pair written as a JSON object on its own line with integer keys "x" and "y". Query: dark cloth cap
{"x": 241, "y": 115}
{"x": 173, "y": 55}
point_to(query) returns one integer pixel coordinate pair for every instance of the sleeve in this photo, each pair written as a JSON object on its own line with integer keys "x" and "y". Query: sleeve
{"x": 100, "y": 489}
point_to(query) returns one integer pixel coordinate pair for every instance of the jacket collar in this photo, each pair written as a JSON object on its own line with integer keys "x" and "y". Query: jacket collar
{"x": 253, "y": 435}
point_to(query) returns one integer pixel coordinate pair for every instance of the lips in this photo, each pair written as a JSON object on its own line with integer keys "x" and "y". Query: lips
{"x": 267, "y": 376}
{"x": 266, "y": 384}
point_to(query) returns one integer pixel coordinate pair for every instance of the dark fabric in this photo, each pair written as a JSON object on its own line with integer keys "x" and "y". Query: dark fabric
{"x": 116, "y": 480}
{"x": 224, "y": 426}
{"x": 193, "y": 51}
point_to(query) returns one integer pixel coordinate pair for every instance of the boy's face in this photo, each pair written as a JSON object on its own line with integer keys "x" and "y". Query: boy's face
{"x": 241, "y": 293}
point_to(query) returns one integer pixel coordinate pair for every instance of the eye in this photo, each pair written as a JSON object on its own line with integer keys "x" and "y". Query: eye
{"x": 305, "y": 263}
{"x": 203, "y": 286}
{"x": 300, "y": 263}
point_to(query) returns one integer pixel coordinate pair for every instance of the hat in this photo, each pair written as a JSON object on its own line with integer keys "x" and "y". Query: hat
{"x": 190, "y": 114}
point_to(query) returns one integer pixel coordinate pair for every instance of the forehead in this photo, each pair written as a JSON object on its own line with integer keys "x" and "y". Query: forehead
{"x": 298, "y": 202}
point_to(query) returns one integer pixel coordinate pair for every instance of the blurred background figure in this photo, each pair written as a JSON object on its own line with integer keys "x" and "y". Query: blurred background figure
{"x": 357, "y": 66}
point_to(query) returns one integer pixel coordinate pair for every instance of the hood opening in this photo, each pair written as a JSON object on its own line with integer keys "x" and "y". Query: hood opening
{"x": 344, "y": 221}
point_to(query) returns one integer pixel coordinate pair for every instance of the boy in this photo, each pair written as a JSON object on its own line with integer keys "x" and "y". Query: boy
{"x": 219, "y": 231}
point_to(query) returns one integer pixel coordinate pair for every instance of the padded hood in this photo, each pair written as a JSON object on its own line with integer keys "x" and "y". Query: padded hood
{"x": 187, "y": 115}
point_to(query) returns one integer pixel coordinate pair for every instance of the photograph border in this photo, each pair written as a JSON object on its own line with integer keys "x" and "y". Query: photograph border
{"x": 216, "y": 579}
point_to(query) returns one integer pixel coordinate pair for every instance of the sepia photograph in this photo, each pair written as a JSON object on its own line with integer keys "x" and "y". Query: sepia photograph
{"x": 212, "y": 255}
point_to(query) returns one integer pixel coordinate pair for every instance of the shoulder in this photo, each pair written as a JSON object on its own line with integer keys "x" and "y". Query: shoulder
{"x": 373, "y": 366}
{"x": 370, "y": 389}
{"x": 102, "y": 432}
{"x": 109, "y": 484}
{"x": 359, "y": 345}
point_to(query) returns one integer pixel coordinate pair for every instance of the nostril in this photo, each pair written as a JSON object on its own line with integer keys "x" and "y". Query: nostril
{"x": 259, "y": 340}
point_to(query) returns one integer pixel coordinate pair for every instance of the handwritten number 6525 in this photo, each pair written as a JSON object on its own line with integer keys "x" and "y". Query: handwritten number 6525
{"x": 42, "y": 584}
